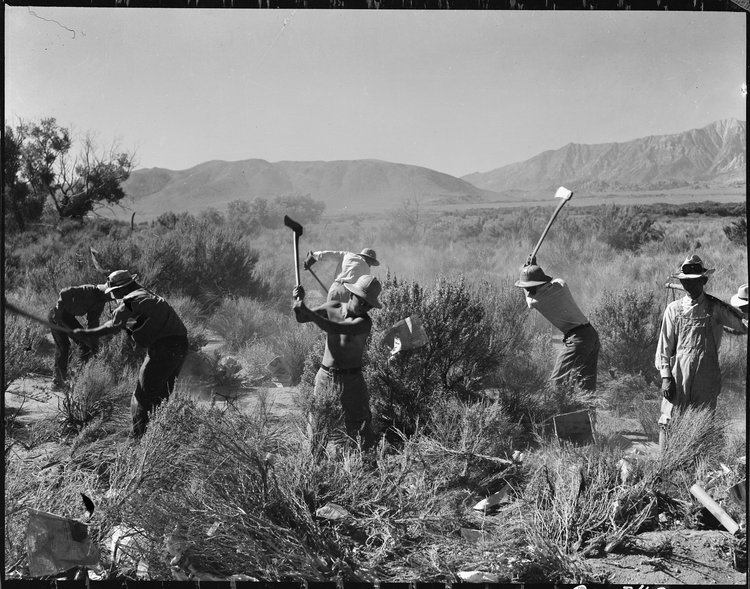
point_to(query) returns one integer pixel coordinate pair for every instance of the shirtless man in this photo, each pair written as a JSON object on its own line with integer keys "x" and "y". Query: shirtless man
{"x": 347, "y": 326}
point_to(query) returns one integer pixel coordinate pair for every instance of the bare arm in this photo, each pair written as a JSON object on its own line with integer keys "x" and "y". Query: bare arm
{"x": 319, "y": 316}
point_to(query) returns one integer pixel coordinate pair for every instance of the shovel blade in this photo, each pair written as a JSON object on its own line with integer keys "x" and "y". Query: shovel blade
{"x": 563, "y": 193}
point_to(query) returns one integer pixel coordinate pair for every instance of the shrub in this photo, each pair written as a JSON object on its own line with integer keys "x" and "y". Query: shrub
{"x": 626, "y": 228}
{"x": 626, "y": 393}
{"x": 21, "y": 339}
{"x": 469, "y": 335}
{"x": 628, "y": 322}
{"x": 241, "y": 320}
{"x": 736, "y": 232}
{"x": 93, "y": 394}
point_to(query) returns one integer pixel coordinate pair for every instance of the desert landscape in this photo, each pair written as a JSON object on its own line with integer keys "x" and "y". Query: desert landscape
{"x": 457, "y": 153}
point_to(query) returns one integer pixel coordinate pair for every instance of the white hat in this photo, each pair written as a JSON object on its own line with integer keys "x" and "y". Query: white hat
{"x": 740, "y": 299}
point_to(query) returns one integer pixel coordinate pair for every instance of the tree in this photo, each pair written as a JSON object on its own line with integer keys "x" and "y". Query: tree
{"x": 44, "y": 164}
{"x": 21, "y": 203}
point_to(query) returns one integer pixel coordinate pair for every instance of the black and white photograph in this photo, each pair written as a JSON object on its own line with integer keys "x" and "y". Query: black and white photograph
{"x": 375, "y": 296}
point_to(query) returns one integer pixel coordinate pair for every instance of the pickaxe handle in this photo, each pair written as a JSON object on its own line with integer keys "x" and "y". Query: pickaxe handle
{"x": 565, "y": 194}
{"x": 18, "y": 311}
{"x": 320, "y": 282}
{"x": 296, "y": 258}
{"x": 297, "y": 229}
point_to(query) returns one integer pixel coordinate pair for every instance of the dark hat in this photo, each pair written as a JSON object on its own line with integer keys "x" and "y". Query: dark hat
{"x": 692, "y": 267}
{"x": 118, "y": 279}
{"x": 368, "y": 288}
{"x": 370, "y": 254}
{"x": 532, "y": 275}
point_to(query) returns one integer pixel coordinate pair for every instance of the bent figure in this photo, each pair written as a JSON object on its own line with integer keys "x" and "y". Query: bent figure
{"x": 347, "y": 326}
{"x": 579, "y": 357}
{"x": 353, "y": 266}
{"x": 73, "y": 302}
{"x": 152, "y": 324}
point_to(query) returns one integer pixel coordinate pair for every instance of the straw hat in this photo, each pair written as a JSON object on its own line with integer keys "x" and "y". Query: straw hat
{"x": 370, "y": 255}
{"x": 532, "y": 275}
{"x": 117, "y": 279}
{"x": 693, "y": 267}
{"x": 368, "y": 288}
{"x": 740, "y": 299}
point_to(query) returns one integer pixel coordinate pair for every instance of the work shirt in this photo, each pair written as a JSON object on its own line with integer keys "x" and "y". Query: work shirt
{"x": 153, "y": 318}
{"x": 555, "y": 302}
{"x": 720, "y": 313}
{"x": 352, "y": 265}
{"x": 86, "y": 299}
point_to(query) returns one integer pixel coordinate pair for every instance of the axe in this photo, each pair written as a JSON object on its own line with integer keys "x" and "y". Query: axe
{"x": 297, "y": 229}
{"x": 565, "y": 195}
{"x": 18, "y": 311}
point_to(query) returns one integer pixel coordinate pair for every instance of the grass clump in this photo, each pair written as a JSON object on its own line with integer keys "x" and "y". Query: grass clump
{"x": 94, "y": 392}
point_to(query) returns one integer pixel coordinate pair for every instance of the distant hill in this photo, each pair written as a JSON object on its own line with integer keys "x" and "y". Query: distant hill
{"x": 351, "y": 185}
{"x": 714, "y": 156}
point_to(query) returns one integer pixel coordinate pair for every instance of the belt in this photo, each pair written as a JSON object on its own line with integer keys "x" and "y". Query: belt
{"x": 330, "y": 370}
{"x": 576, "y": 328}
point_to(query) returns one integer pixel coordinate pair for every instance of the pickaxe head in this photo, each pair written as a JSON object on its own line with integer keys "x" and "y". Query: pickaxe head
{"x": 563, "y": 193}
{"x": 293, "y": 225}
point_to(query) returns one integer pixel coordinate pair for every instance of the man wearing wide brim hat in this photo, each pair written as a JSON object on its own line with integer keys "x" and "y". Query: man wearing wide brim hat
{"x": 687, "y": 353}
{"x": 72, "y": 302}
{"x": 579, "y": 356}
{"x": 347, "y": 326}
{"x": 154, "y": 325}
{"x": 352, "y": 267}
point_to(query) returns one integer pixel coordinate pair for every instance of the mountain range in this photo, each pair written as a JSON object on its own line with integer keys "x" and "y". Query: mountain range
{"x": 711, "y": 157}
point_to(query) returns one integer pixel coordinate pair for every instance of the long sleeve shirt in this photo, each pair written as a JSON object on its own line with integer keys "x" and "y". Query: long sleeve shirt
{"x": 555, "y": 302}
{"x": 153, "y": 317}
{"x": 85, "y": 299}
{"x": 721, "y": 315}
{"x": 352, "y": 265}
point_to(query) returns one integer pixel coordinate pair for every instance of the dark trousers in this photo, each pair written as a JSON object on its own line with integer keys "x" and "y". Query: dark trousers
{"x": 578, "y": 358}
{"x": 62, "y": 343}
{"x": 156, "y": 379}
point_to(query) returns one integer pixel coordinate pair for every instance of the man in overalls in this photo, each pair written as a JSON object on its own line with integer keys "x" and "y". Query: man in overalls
{"x": 687, "y": 354}
{"x": 72, "y": 302}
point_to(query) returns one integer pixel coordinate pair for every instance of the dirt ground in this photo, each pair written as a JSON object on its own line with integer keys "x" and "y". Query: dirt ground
{"x": 689, "y": 557}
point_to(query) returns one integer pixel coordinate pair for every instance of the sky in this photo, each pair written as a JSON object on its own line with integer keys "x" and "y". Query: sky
{"x": 457, "y": 92}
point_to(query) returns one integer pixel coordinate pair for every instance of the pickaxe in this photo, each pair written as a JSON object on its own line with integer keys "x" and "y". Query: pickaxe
{"x": 297, "y": 228}
{"x": 565, "y": 195}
